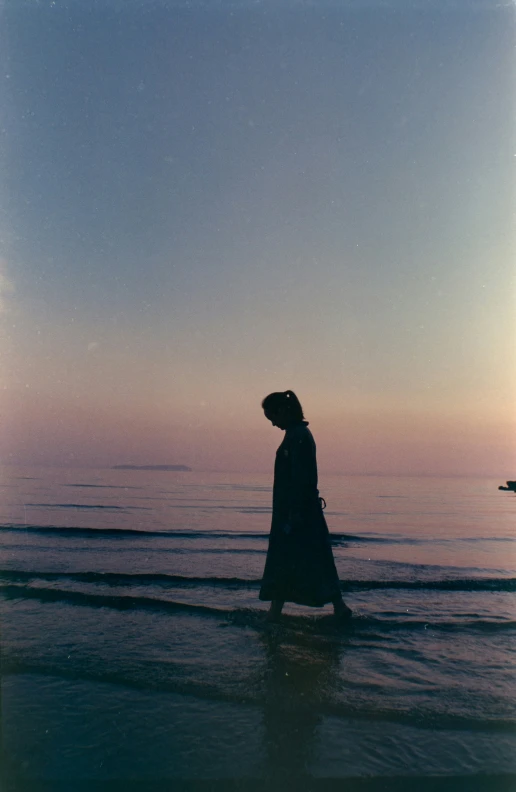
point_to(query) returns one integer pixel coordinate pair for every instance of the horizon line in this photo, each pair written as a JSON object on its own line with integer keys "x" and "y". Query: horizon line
{"x": 351, "y": 474}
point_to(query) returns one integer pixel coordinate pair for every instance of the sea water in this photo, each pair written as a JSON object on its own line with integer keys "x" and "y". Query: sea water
{"x": 134, "y": 644}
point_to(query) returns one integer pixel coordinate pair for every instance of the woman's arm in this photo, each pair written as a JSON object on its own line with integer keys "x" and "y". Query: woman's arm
{"x": 303, "y": 479}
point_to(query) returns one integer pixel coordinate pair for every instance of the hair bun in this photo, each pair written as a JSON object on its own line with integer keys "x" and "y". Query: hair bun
{"x": 284, "y": 399}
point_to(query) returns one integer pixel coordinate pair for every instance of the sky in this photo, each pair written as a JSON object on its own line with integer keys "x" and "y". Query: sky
{"x": 203, "y": 203}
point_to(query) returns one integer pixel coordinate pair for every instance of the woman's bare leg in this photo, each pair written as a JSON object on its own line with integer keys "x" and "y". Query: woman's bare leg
{"x": 340, "y": 608}
{"x": 275, "y": 610}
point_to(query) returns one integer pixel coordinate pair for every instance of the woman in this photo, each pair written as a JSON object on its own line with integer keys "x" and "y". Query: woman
{"x": 299, "y": 566}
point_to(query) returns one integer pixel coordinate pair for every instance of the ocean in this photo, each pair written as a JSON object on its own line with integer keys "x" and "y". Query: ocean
{"x": 134, "y": 646}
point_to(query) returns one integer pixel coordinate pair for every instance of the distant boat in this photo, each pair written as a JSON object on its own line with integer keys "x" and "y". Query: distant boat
{"x": 151, "y": 467}
{"x": 511, "y": 487}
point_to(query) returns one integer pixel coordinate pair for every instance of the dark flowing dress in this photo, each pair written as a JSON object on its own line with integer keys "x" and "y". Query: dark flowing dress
{"x": 300, "y": 566}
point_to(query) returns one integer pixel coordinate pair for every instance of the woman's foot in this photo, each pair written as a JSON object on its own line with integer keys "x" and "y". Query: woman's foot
{"x": 341, "y": 610}
{"x": 274, "y": 612}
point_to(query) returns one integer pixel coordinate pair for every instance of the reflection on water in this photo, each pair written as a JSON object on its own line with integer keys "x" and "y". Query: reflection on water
{"x": 301, "y": 673}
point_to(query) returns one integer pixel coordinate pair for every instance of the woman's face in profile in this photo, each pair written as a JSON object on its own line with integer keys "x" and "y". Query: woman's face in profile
{"x": 276, "y": 418}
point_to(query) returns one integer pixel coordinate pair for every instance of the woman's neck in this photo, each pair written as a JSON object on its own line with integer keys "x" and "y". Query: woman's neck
{"x": 293, "y": 423}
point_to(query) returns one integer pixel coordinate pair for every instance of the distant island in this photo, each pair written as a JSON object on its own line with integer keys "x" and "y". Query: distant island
{"x": 151, "y": 467}
{"x": 511, "y": 487}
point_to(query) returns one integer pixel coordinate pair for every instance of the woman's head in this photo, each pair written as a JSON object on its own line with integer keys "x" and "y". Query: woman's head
{"x": 282, "y": 408}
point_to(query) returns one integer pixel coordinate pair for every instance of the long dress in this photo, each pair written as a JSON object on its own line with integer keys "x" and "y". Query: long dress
{"x": 300, "y": 566}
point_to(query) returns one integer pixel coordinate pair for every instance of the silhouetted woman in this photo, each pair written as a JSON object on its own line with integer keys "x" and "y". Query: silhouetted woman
{"x": 300, "y": 567}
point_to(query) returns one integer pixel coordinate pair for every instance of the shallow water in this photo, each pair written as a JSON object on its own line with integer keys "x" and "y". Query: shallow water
{"x": 134, "y": 643}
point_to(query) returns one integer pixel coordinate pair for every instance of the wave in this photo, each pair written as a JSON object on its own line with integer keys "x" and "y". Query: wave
{"x": 457, "y": 584}
{"x": 231, "y": 487}
{"x": 255, "y": 695}
{"x": 83, "y": 506}
{"x": 337, "y": 539}
{"x": 132, "y": 532}
{"x": 102, "y": 486}
{"x": 244, "y": 616}
{"x": 116, "y": 602}
{"x": 128, "y": 533}
{"x": 123, "y": 578}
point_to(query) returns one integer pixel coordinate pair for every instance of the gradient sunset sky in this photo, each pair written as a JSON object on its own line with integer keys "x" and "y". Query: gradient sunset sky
{"x": 207, "y": 202}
